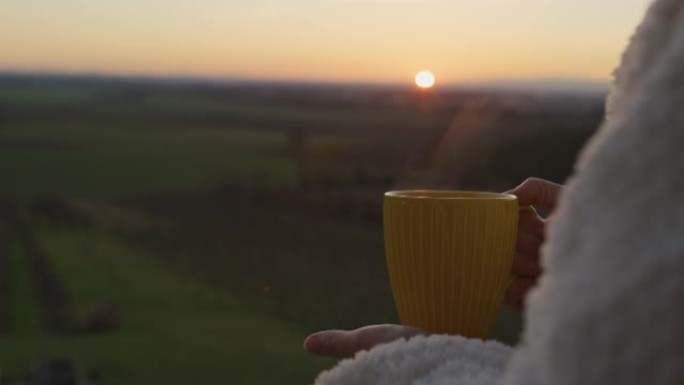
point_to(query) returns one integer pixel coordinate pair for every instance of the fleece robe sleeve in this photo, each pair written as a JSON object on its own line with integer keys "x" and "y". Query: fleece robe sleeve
{"x": 433, "y": 360}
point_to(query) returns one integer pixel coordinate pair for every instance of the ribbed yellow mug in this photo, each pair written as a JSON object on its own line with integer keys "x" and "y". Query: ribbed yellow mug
{"x": 449, "y": 257}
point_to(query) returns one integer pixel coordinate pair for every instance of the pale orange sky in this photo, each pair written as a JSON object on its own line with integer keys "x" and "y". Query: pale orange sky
{"x": 320, "y": 40}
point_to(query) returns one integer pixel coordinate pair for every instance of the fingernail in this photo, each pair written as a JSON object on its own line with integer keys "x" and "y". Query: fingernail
{"x": 317, "y": 341}
{"x": 310, "y": 343}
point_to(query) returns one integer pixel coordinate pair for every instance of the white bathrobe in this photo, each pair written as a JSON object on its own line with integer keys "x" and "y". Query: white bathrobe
{"x": 610, "y": 306}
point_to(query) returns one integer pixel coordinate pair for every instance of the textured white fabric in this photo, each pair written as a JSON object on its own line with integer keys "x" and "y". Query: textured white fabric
{"x": 651, "y": 38}
{"x": 433, "y": 360}
{"x": 610, "y": 307}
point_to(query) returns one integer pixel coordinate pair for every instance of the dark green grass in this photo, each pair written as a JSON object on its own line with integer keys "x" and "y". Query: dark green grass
{"x": 174, "y": 330}
{"x": 109, "y": 140}
{"x": 23, "y": 311}
{"x": 110, "y": 159}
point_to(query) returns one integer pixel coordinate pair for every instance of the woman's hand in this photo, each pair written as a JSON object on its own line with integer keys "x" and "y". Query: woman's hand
{"x": 531, "y": 228}
{"x": 526, "y": 269}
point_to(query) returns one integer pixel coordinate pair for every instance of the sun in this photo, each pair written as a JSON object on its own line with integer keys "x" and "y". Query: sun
{"x": 425, "y": 79}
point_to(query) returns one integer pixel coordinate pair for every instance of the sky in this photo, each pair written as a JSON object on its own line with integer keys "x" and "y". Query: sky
{"x": 375, "y": 41}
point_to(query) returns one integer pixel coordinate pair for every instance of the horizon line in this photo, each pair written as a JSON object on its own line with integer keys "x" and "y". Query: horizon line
{"x": 512, "y": 82}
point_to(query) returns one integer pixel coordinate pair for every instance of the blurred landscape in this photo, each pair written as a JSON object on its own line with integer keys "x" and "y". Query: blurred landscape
{"x": 182, "y": 231}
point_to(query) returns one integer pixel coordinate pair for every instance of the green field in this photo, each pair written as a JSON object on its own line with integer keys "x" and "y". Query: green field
{"x": 207, "y": 230}
{"x": 115, "y": 159}
{"x": 174, "y": 329}
{"x": 179, "y": 268}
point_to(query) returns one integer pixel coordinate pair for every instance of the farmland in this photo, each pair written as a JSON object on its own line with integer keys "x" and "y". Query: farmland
{"x": 186, "y": 232}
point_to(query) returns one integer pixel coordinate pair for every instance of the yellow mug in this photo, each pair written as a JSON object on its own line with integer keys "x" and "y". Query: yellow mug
{"x": 449, "y": 256}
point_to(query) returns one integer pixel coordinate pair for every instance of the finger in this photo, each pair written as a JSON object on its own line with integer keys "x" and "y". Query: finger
{"x": 517, "y": 291}
{"x": 531, "y": 223}
{"x": 537, "y": 192}
{"x": 343, "y": 343}
{"x": 370, "y": 336}
{"x": 516, "y": 305}
{"x": 528, "y": 244}
{"x": 526, "y": 266}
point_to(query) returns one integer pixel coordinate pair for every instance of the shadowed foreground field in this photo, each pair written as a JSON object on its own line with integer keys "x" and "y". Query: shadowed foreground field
{"x": 173, "y": 328}
{"x": 155, "y": 232}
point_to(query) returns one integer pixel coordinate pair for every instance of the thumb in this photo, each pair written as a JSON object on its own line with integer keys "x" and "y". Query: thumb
{"x": 346, "y": 343}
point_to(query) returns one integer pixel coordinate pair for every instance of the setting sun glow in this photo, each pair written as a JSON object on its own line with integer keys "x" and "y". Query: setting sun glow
{"x": 355, "y": 41}
{"x": 425, "y": 79}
